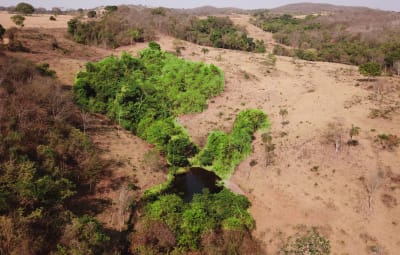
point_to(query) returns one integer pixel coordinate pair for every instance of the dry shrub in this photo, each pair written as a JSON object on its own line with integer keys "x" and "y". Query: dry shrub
{"x": 152, "y": 237}
{"x": 389, "y": 201}
{"x": 389, "y": 142}
{"x": 230, "y": 242}
{"x": 333, "y": 135}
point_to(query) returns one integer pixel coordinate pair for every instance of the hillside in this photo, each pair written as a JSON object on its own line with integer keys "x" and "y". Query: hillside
{"x": 325, "y": 173}
{"x": 312, "y": 8}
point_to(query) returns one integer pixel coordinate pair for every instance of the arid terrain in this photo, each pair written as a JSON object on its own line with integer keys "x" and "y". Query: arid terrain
{"x": 350, "y": 194}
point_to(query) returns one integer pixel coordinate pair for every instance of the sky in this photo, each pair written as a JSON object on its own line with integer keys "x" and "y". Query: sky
{"x": 392, "y": 5}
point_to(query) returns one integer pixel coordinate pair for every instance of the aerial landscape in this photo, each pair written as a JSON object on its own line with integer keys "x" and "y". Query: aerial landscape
{"x": 138, "y": 128}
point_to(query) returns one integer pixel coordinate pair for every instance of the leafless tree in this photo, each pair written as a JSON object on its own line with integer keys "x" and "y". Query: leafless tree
{"x": 60, "y": 104}
{"x": 372, "y": 184}
{"x": 333, "y": 134}
{"x": 123, "y": 205}
{"x": 7, "y": 235}
{"x": 26, "y": 111}
{"x": 85, "y": 117}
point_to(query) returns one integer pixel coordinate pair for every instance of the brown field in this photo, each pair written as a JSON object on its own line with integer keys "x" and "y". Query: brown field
{"x": 352, "y": 195}
{"x": 36, "y": 21}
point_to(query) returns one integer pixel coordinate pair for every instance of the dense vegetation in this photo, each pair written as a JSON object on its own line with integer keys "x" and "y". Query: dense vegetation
{"x": 220, "y": 32}
{"x": 332, "y": 38}
{"x": 127, "y": 25}
{"x": 46, "y": 165}
{"x": 213, "y": 223}
{"x": 223, "y": 152}
{"x": 145, "y": 95}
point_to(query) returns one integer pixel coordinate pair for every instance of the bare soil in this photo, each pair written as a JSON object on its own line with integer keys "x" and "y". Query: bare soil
{"x": 36, "y": 21}
{"x": 351, "y": 194}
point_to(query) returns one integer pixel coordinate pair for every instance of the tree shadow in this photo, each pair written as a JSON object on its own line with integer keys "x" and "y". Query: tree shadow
{"x": 371, "y": 79}
{"x": 89, "y": 205}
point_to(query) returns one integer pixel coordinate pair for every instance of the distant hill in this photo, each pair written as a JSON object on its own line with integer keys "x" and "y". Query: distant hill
{"x": 309, "y": 8}
{"x": 211, "y": 10}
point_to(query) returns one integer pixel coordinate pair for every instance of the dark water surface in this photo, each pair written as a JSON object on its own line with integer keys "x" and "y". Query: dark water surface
{"x": 193, "y": 182}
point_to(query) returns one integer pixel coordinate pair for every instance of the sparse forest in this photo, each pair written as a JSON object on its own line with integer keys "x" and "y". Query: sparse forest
{"x": 118, "y": 28}
{"x": 348, "y": 39}
{"x": 46, "y": 164}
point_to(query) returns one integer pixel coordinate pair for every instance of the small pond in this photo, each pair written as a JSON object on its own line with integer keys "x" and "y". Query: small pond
{"x": 193, "y": 182}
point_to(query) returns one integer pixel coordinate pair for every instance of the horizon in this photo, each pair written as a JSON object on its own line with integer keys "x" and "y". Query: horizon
{"x": 387, "y": 5}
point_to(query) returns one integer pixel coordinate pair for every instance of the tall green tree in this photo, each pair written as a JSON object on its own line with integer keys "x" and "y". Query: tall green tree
{"x": 24, "y": 8}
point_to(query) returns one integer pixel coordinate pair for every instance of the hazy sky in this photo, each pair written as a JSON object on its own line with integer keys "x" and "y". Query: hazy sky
{"x": 393, "y": 5}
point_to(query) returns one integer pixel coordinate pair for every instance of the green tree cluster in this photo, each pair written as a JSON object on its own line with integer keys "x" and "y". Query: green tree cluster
{"x": 24, "y": 8}
{"x": 285, "y": 22}
{"x": 190, "y": 222}
{"x": 146, "y": 94}
{"x": 220, "y": 32}
{"x": 118, "y": 28}
{"x": 92, "y": 32}
{"x": 223, "y": 152}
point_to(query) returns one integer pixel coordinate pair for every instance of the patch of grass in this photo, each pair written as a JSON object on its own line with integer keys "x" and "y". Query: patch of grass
{"x": 388, "y": 141}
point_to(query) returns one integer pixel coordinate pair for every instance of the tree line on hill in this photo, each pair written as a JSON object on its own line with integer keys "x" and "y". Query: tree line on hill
{"x": 334, "y": 38}
{"x": 47, "y": 164}
{"x": 129, "y": 24}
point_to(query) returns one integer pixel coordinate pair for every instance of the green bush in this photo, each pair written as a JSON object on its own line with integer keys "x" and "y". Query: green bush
{"x": 370, "y": 69}
{"x": 220, "y": 32}
{"x": 44, "y": 70}
{"x": 179, "y": 149}
{"x": 224, "y": 151}
{"x": 309, "y": 54}
{"x": 18, "y": 20}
